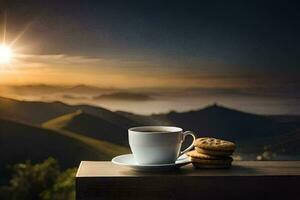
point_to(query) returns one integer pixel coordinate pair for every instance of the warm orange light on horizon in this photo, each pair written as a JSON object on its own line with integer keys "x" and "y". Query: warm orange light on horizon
{"x": 5, "y": 54}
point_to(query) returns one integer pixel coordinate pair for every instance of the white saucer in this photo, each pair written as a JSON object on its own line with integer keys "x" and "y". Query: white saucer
{"x": 128, "y": 160}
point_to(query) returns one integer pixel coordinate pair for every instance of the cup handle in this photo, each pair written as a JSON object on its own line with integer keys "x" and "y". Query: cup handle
{"x": 186, "y": 133}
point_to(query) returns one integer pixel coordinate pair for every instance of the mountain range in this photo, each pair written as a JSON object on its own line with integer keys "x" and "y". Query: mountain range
{"x": 129, "y": 96}
{"x": 71, "y": 133}
{"x": 39, "y": 112}
{"x": 44, "y": 89}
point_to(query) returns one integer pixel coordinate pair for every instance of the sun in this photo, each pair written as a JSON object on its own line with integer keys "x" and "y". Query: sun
{"x": 5, "y": 54}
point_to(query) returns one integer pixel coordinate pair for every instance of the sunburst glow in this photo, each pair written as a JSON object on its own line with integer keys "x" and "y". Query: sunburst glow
{"x": 5, "y": 54}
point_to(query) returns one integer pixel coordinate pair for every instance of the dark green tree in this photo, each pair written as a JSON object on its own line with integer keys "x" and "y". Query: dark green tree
{"x": 39, "y": 181}
{"x": 63, "y": 188}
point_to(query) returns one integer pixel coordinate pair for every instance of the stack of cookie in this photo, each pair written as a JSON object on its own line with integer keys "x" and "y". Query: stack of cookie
{"x": 211, "y": 153}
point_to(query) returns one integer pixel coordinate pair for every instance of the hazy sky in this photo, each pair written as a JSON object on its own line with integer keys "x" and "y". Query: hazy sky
{"x": 154, "y": 43}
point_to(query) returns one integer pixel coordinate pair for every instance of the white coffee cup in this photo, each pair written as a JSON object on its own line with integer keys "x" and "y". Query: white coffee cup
{"x": 157, "y": 144}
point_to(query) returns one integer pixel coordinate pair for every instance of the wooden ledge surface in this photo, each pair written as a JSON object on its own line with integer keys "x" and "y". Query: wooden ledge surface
{"x": 244, "y": 180}
{"x": 239, "y": 168}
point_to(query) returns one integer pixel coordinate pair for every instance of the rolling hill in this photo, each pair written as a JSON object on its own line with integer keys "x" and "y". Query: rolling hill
{"x": 39, "y": 112}
{"x": 91, "y": 126}
{"x": 20, "y": 142}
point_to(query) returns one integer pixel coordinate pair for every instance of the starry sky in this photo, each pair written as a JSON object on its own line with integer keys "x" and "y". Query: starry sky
{"x": 212, "y": 44}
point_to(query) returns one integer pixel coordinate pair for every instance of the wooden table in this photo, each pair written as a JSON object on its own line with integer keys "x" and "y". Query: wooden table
{"x": 245, "y": 180}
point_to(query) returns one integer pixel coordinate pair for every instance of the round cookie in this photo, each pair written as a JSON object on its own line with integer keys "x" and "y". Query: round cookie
{"x": 196, "y": 154}
{"x": 214, "y": 144}
{"x": 213, "y": 152}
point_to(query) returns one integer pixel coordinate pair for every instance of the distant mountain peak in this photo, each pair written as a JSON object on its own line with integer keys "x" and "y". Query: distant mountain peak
{"x": 215, "y": 113}
{"x": 215, "y": 106}
{"x": 219, "y": 108}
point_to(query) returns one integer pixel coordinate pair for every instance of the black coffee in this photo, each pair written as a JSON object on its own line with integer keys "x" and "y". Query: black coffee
{"x": 151, "y": 131}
